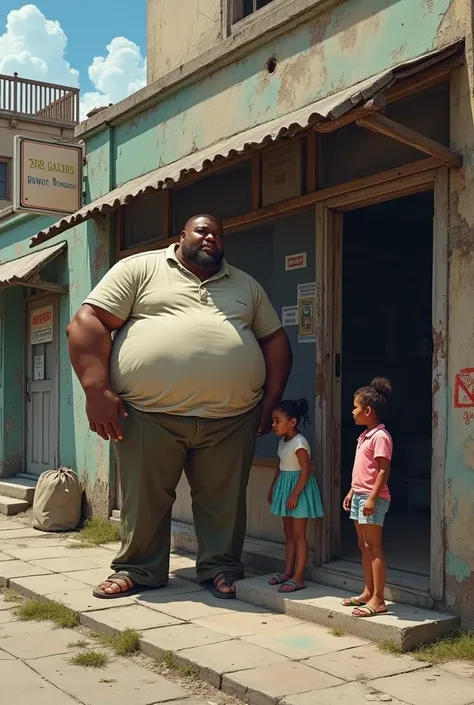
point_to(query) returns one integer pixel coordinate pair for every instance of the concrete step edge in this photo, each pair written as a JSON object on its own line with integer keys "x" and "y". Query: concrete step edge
{"x": 11, "y": 505}
{"x": 18, "y": 489}
{"x": 406, "y": 626}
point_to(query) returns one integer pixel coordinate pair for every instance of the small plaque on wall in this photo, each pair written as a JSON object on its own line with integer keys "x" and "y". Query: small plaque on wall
{"x": 281, "y": 173}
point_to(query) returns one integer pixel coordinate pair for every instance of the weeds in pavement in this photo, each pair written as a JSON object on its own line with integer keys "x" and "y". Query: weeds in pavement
{"x": 81, "y": 644}
{"x": 337, "y": 631}
{"x": 123, "y": 643}
{"x": 96, "y": 531}
{"x": 170, "y": 662}
{"x": 90, "y": 659}
{"x": 389, "y": 646}
{"x": 38, "y": 610}
{"x": 10, "y": 595}
{"x": 459, "y": 646}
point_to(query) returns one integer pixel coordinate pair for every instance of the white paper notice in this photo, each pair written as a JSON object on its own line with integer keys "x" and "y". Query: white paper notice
{"x": 289, "y": 316}
{"x": 39, "y": 368}
{"x": 307, "y": 291}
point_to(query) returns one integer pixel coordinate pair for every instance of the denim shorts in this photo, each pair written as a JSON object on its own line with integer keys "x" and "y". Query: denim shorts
{"x": 357, "y": 510}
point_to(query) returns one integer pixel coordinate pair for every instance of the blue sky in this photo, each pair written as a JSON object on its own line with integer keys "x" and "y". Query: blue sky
{"x": 58, "y": 40}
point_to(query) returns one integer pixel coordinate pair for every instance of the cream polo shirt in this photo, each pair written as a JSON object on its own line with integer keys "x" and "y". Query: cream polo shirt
{"x": 187, "y": 347}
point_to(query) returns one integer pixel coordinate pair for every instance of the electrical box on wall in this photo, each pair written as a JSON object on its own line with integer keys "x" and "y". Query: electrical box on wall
{"x": 281, "y": 173}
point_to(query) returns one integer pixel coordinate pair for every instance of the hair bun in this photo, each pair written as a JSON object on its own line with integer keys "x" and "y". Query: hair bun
{"x": 382, "y": 386}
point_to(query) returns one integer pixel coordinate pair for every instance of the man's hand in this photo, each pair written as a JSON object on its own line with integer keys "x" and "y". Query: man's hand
{"x": 369, "y": 507}
{"x": 292, "y": 501}
{"x": 104, "y": 410}
{"x": 346, "y": 505}
{"x": 265, "y": 426}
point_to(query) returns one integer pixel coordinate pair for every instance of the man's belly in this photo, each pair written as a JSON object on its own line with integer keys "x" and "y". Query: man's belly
{"x": 196, "y": 370}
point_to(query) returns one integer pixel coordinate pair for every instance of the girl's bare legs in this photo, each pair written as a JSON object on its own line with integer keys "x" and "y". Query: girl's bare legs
{"x": 298, "y": 528}
{"x": 290, "y": 548}
{"x": 368, "y": 591}
{"x": 372, "y": 536}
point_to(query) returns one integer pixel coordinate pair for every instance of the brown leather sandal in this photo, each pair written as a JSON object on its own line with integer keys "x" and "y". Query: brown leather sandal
{"x": 132, "y": 588}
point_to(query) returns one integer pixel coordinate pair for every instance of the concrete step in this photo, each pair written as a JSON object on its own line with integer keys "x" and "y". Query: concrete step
{"x": 11, "y": 506}
{"x": 18, "y": 488}
{"x": 410, "y": 588}
{"x": 406, "y": 626}
{"x": 115, "y": 516}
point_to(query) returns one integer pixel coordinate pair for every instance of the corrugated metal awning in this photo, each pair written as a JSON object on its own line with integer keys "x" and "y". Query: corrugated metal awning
{"x": 327, "y": 109}
{"x": 22, "y": 269}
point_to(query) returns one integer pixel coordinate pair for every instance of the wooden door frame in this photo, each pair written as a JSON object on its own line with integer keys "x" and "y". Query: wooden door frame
{"x": 329, "y": 215}
{"x": 38, "y": 302}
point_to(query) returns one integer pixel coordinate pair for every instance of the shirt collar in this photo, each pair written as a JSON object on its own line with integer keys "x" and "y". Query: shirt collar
{"x": 223, "y": 270}
{"x": 369, "y": 434}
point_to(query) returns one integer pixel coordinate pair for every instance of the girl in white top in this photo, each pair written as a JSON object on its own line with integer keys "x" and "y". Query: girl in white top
{"x": 294, "y": 494}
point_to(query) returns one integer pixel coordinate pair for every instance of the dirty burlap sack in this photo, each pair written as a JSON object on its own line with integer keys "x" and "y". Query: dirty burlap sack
{"x": 57, "y": 502}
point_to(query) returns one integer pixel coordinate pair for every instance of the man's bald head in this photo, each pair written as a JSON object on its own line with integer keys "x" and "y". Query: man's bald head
{"x": 206, "y": 217}
{"x": 201, "y": 242}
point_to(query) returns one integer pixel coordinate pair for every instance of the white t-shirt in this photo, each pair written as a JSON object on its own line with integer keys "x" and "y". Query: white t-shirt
{"x": 287, "y": 453}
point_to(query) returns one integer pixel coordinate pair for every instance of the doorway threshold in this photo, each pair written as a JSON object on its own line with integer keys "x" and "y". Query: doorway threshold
{"x": 402, "y": 586}
{"x": 261, "y": 556}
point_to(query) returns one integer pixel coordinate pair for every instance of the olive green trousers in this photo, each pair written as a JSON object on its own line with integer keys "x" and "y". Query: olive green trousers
{"x": 216, "y": 455}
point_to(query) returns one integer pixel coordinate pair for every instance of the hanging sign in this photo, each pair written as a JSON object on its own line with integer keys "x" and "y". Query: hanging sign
{"x": 47, "y": 176}
{"x": 41, "y": 325}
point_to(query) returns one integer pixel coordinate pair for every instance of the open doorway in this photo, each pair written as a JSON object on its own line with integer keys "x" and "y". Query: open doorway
{"x": 387, "y": 254}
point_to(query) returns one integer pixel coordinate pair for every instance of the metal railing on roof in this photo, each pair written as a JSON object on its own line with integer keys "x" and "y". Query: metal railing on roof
{"x": 48, "y": 102}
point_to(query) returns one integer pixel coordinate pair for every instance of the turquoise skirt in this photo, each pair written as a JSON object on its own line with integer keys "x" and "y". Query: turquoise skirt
{"x": 309, "y": 504}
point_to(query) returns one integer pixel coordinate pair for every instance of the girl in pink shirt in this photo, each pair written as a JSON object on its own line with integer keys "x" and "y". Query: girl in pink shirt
{"x": 369, "y": 498}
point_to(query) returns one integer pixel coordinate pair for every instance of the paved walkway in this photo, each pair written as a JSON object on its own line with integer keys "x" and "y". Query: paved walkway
{"x": 245, "y": 651}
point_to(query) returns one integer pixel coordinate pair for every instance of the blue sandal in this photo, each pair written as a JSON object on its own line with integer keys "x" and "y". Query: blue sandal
{"x": 293, "y": 585}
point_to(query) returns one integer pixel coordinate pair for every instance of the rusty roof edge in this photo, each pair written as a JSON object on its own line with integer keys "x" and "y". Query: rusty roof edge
{"x": 49, "y": 254}
{"x": 294, "y": 121}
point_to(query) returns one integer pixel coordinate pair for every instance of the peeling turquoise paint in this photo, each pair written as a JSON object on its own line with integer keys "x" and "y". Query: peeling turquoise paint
{"x": 334, "y": 51}
{"x": 457, "y": 567}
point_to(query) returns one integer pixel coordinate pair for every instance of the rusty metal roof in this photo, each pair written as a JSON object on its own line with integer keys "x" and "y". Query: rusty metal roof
{"x": 21, "y": 269}
{"x": 327, "y": 109}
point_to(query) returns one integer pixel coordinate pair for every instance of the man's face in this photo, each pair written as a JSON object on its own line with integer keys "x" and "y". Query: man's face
{"x": 202, "y": 242}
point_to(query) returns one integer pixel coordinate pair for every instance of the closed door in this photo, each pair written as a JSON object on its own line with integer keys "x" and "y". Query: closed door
{"x": 42, "y": 387}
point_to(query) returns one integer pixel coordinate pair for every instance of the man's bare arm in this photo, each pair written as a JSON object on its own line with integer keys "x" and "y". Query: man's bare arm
{"x": 90, "y": 345}
{"x": 278, "y": 357}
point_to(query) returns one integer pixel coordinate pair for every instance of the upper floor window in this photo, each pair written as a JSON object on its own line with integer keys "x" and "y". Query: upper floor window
{"x": 4, "y": 190}
{"x": 244, "y": 8}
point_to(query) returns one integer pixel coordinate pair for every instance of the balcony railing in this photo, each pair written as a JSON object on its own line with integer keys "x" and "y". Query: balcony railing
{"x": 48, "y": 102}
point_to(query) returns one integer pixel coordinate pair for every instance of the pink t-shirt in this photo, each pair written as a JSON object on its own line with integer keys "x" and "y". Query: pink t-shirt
{"x": 371, "y": 445}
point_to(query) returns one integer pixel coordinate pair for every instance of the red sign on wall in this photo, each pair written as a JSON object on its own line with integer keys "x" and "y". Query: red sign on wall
{"x": 464, "y": 389}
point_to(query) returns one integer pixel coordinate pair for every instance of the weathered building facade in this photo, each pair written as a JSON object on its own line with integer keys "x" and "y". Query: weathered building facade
{"x": 335, "y": 139}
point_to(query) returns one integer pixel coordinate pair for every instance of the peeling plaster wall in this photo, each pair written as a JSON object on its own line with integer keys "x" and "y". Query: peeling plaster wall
{"x": 177, "y": 35}
{"x": 86, "y": 261}
{"x": 338, "y": 48}
{"x": 459, "y": 497}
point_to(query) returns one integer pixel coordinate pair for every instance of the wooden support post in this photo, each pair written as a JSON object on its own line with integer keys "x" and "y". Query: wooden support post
{"x": 256, "y": 180}
{"x": 390, "y": 128}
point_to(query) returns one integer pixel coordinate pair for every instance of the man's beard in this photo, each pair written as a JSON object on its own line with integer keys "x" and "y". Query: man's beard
{"x": 204, "y": 260}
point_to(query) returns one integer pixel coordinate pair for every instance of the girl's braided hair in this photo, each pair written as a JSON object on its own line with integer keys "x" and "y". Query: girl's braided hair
{"x": 376, "y": 395}
{"x": 295, "y": 410}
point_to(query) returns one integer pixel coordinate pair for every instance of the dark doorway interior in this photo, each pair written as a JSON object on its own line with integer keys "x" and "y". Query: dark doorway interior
{"x": 387, "y": 331}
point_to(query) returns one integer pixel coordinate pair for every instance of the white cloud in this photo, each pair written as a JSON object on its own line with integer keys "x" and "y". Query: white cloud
{"x": 115, "y": 76}
{"x": 34, "y": 47}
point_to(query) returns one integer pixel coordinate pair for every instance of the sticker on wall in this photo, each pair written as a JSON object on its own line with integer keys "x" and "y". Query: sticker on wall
{"x": 298, "y": 261}
{"x": 41, "y": 325}
{"x": 306, "y": 311}
{"x": 289, "y": 316}
{"x": 306, "y": 331}
{"x": 464, "y": 389}
{"x": 39, "y": 368}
